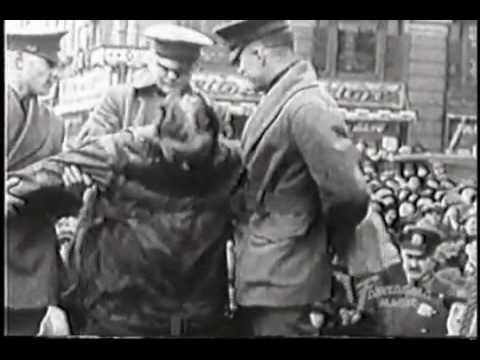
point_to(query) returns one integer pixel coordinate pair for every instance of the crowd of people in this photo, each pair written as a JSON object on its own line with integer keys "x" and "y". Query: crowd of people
{"x": 181, "y": 232}
{"x": 421, "y": 230}
{"x": 408, "y": 199}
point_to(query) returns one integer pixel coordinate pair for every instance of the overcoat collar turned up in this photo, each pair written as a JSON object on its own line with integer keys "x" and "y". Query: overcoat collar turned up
{"x": 299, "y": 77}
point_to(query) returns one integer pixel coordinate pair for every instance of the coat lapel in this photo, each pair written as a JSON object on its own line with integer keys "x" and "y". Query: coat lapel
{"x": 299, "y": 77}
{"x": 32, "y": 137}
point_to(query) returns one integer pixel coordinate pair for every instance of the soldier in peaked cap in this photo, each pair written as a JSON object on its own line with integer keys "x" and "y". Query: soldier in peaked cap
{"x": 33, "y": 133}
{"x": 173, "y": 52}
{"x": 301, "y": 169}
{"x": 408, "y": 299}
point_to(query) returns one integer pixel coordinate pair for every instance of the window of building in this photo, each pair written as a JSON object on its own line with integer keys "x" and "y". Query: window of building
{"x": 120, "y": 32}
{"x": 469, "y": 39}
{"x": 352, "y": 48}
{"x": 462, "y": 55}
{"x": 357, "y": 46}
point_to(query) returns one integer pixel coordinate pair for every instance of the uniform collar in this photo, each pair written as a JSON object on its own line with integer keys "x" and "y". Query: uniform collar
{"x": 16, "y": 88}
{"x": 281, "y": 73}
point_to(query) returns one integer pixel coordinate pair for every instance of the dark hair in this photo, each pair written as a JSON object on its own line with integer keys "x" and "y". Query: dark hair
{"x": 189, "y": 132}
{"x": 173, "y": 122}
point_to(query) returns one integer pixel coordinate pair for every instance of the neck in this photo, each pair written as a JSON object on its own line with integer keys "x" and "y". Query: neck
{"x": 277, "y": 68}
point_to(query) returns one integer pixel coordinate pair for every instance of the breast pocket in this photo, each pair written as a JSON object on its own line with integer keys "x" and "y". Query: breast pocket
{"x": 276, "y": 228}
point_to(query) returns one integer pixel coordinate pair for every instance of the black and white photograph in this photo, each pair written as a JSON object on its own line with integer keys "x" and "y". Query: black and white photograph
{"x": 240, "y": 179}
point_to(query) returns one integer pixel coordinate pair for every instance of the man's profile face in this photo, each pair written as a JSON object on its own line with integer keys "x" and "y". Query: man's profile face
{"x": 250, "y": 66}
{"x": 38, "y": 74}
{"x": 169, "y": 75}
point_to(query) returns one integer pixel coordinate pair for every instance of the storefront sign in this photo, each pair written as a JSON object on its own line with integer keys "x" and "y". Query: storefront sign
{"x": 115, "y": 55}
{"x": 82, "y": 92}
{"x": 367, "y": 94}
{"x": 225, "y": 87}
{"x": 215, "y": 55}
{"x": 364, "y": 127}
{"x": 377, "y": 132}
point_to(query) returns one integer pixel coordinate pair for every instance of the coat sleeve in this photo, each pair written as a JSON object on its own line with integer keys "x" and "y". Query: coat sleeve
{"x": 102, "y": 159}
{"x": 58, "y": 133}
{"x": 321, "y": 136}
{"x": 106, "y": 118}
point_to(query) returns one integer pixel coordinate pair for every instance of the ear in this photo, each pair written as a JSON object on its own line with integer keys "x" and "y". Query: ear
{"x": 260, "y": 53}
{"x": 19, "y": 60}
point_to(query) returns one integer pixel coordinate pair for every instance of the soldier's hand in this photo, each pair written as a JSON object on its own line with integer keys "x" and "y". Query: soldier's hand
{"x": 146, "y": 131}
{"x": 54, "y": 323}
{"x": 321, "y": 313}
{"x": 12, "y": 202}
{"x": 74, "y": 180}
{"x": 318, "y": 319}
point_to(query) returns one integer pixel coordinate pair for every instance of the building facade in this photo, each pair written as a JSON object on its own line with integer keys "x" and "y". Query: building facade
{"x": 414, "y": 80}
{"x": 434, "y": 61}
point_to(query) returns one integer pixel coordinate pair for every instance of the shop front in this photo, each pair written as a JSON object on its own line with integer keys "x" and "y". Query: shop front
{"x": 101, "y": 68}
{"x": 78, "y": 95}
{"x": 375, "y": 112}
